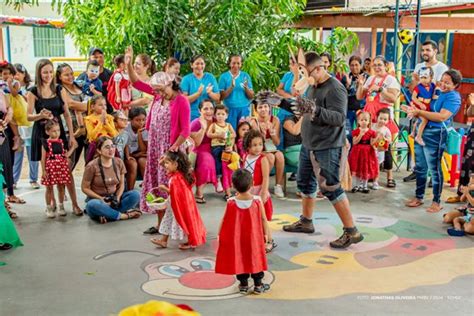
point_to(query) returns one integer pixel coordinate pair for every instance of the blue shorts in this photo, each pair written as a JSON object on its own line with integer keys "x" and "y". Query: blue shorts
{"x": 320, "y": 167}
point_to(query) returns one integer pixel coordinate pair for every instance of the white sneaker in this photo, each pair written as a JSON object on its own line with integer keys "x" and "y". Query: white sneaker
{"x": 375, "y": 186}
{"x": 50, "y": 211}
{"x": 219, "y": 188}
{"x": 278, "y": 191}
{"x": 62, "y": 211}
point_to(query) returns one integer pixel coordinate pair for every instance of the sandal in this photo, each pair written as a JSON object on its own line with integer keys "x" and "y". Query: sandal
{"x": 77, "y": 211}
{"x": 200, "y": 200}
{"x": 453, "y": 199}
{"x": 133, "y": 213}
{"x": 12, "y": 214}
{"x": 434, "y": 208}
{"x": 413, "y": 203}
{"x": 15, "y": 199}
{"x": 151, "y": 231}
{"x": 186, "y": 246}
{"x": 159, "y": 242}
{"x": 455, "y": 233}
{"x": 269, "y": 246}
{"x": 391, "y": 183}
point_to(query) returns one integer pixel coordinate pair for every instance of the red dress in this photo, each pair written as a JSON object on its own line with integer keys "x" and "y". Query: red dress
{"x": 185, "y": 210}
{"x": 241, "y": 241}
{"x": 373, "y": 105}
{"x": 124, "y": 88}
{"x": 256, "y": 171}
{"x": 363, "y": 159}
{"x": 56, "y": 164}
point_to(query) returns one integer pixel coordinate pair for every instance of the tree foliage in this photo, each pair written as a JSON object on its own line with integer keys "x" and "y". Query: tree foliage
{"x": 258, "y": 30}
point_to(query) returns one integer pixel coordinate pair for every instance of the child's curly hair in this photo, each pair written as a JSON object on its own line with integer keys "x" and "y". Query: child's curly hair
{"x": 252, "y": 133}
{"x": 184, "y": 165}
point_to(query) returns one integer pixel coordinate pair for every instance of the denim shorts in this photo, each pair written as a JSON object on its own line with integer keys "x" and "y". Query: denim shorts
{"x": 320, "y": 167}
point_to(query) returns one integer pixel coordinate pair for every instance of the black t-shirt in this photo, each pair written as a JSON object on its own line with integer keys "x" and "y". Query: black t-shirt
{"x": 290, "y": 139}
{"x": 57, "y": 147}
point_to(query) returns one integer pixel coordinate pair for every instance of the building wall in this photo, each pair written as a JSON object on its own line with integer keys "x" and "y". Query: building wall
{"x": 21, "y": 37}
{"x": 371, "y": 3}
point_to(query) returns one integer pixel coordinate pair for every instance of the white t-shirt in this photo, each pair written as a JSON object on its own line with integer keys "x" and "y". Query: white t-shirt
{"x": 133, "y": 138}
{"x": 438, "y": 70}
{"x": 390, "y": 82}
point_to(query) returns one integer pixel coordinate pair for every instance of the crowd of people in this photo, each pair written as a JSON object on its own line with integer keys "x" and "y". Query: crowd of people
{"x": 179, "y": 135}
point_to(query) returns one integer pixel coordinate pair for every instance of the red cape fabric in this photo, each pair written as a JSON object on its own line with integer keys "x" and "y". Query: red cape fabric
{"x": 185, "y": 210}
{"x": 241, "y": 241}
{"x": 111, "y": 95}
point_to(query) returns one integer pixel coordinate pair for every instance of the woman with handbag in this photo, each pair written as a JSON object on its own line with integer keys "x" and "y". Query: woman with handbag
{"x": 103, "y": 182}
{"x": 380, "y": 91}
{"x": 435, "y": 136}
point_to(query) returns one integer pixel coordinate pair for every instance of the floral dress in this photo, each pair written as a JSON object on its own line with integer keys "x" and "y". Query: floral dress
{"x": 158, "y": 145}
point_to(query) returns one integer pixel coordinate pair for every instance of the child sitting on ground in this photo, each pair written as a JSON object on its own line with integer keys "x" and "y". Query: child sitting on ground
{"x": 182, "y": 219}
{"x": 137, "y": 145}
{"x": 119, "y": 90}
{"x": 98, "y": 123}
{"x": 222, "y": 137}
{"x": 421, "y": 98}
{"x": 462, "y": 218}
{"x": 242, "y": 236}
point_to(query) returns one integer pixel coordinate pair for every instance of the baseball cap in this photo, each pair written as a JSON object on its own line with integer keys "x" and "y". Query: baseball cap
{"x": 93, "y": 50}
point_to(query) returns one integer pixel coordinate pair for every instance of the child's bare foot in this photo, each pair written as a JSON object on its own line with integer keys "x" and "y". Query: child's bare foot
{"x": 434, "y": 208}
{"x": 419, "y": 140}
{"x": 16, "y": 143}
{"x": 159, "y": 242}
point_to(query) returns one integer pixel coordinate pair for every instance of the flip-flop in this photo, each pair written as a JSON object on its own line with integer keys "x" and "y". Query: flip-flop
{"x": 12, "y": 214}
{"x": 76, "y": 212}
{"x": 414, "y": 203}
{"x": 200, "y": 200}
{"x": 434, "y": 209}
{"x": 158, "y": 242}
{"x": 15, "y": 199}
{"x": 186, "y": 247}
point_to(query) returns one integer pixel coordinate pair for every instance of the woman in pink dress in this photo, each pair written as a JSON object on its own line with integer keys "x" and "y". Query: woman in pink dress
{"x": 205, "y": 169}
{"x": 167, "y": 125}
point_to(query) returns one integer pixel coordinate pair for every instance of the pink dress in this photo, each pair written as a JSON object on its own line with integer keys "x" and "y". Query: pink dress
{"x": 205, "y": 170}
{"x": 158, "y": 145}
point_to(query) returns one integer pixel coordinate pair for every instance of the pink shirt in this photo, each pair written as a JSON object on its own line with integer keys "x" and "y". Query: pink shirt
{"x": 180, "y": 112}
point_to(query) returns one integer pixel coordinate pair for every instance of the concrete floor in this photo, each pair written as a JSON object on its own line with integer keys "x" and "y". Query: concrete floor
{"x": 68, "y": 266}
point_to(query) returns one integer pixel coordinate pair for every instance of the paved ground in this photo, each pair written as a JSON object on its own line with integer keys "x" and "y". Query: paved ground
{"x": 406, "y": 264}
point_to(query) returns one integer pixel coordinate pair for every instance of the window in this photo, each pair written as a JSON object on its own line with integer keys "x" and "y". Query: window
{"x": 48, "y": 42}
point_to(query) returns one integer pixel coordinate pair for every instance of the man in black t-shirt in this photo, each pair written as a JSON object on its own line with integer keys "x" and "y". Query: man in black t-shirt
{"x": 96, "y": 53}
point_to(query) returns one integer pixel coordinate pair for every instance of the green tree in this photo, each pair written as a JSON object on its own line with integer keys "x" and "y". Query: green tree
{"x": 258, "y": 30}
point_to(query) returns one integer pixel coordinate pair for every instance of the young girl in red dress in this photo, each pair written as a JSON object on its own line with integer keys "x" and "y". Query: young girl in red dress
{"x": 244, "y": 230}
{"x": 242, "y": 130}
{"x": 55, "y": 166}
{"x": 363, "y": 158}
{"x": 257, "y": 164}
{"x": 119, "y": 91}
{"x": 182, "y": 219}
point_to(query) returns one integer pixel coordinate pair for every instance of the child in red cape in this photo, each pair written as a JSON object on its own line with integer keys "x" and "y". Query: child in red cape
{"x": 182, "y": 219}
{"x": 242, "y": 236}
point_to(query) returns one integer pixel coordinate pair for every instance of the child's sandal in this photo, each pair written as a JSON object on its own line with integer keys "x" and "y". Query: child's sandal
{"x": 269, "y": 246}
{"x": 200, "y": 200}
{"x": 186, "y": 246}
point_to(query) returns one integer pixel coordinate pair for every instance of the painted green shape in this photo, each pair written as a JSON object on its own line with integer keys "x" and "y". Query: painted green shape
{"x": 371, "y": 234}
{"x": 277, "y": 263}
{"x": 3, "y": 264}
{"x": 411, "y": 230}
{"x": 89, "y": 273}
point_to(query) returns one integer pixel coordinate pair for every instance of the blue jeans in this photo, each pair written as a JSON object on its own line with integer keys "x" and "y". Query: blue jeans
{"x": 235, "y": 114}
{"x": 33, "y": 166}
{"x": 350, "y": 120}
{"x": 96, "y": 208}
{"x": 320, "y": 167}
{"x": 428, "y": 158}
{"x": 217, "y": 154}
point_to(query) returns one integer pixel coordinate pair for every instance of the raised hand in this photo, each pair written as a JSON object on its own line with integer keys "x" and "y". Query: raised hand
{"x": 128, "y": 55}
{"x": 209, "y": 88}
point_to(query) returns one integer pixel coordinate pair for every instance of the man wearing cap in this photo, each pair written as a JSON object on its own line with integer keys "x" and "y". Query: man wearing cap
{"x": 97, "y": 54}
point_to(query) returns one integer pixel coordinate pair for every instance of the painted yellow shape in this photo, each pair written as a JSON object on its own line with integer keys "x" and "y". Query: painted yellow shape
{"x": 278, "y": 218}
{"x": 329, "y": 260}
{"x": 313, "y": 283}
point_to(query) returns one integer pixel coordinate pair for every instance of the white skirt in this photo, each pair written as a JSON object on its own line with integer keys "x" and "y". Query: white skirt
{"x": 169, "y": 226}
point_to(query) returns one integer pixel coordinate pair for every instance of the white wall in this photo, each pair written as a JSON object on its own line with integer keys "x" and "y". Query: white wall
{"x": 21, "y": 37}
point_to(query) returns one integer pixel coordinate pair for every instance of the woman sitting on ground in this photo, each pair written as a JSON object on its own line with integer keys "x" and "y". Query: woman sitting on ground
{"x": 104, "y": 182}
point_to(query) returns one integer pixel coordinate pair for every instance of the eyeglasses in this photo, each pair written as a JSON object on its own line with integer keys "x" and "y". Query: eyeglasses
{"x": 107, "y": 147}
{"x": 379, "y": 65}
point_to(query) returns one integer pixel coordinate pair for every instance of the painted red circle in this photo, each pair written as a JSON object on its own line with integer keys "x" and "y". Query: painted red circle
{"x": 206, "y": 280}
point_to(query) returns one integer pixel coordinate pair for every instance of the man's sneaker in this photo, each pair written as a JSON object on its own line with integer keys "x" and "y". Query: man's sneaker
{"x": 347, "y": 239}
{"x": 301, "y": 226}
{"x": 278, "y": 191}
{"x": 261, "y": 289}
{"x": 62, "y": 211}
{"x": 411, "y": 177}
{"x": 50, "y": 211}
